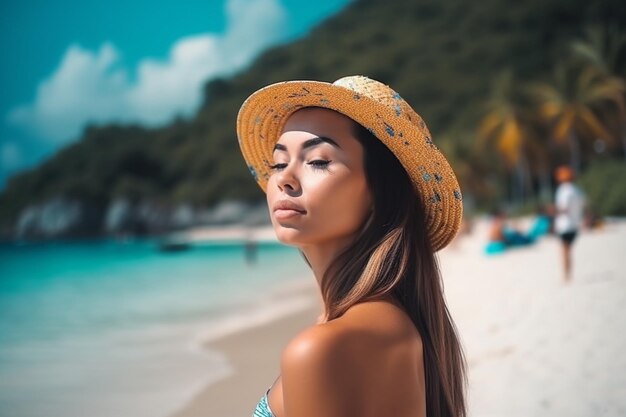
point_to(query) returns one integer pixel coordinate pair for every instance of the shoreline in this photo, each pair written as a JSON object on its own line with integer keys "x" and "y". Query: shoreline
{"x": 130, "y": 338}
{"x": 254, "y": 370}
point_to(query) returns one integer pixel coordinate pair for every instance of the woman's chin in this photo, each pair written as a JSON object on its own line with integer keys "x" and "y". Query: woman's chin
{"x": 289, "y": 236}
{"x": 286, "y": 239}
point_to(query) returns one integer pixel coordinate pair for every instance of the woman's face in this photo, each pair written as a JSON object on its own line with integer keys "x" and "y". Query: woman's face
{"x": 317, "y": 193}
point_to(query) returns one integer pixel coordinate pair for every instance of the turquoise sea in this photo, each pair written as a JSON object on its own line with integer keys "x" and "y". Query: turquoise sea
{"x": 109, "y": 328}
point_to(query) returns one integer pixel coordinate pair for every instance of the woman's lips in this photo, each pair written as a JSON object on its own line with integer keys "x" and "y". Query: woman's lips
{"x": 286, "y": 209}
{"x": 282, "y": 214}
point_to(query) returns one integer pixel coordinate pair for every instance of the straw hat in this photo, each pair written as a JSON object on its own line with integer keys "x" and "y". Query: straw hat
{"x": 379, "y": 109}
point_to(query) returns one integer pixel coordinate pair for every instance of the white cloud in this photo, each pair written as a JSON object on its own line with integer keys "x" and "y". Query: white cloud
{"x": 93, "y": 87}
{"x": 86, "y": 86}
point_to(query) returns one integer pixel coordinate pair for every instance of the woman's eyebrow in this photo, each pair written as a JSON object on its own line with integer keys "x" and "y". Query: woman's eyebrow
{"x": 309, "y": 143}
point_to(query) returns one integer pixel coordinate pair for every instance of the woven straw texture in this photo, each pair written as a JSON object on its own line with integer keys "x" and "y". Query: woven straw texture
{"x": 383, "y": 112}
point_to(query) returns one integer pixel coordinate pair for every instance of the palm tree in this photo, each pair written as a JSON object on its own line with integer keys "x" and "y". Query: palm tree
{"x": 505, "y": 125}
{"x": 568, "y": 105}
{"x": 604, "y": 47}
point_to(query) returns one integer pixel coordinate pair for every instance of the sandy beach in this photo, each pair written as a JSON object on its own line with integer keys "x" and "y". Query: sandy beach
{"x": 534, "y": 345}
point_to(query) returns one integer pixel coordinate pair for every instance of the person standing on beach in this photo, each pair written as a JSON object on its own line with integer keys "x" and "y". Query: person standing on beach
{"x": 355, "y": 182}
{"x": 569, "y": 205}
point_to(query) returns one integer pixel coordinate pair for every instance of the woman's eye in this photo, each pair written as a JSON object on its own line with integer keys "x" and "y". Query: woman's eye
{"x": 278, "y": 167}
{"x": 319, "y": 164}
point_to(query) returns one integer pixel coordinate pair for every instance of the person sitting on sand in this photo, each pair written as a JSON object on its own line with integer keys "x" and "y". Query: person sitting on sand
{"x": 503, "y": 236}
{"x": 355, "y": 182}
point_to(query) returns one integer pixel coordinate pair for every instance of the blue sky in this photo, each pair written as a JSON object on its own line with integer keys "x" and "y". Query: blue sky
{"x": 68, "y": 63}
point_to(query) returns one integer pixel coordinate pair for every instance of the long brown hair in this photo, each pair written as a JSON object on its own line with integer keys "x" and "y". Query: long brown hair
{"x": 392, "y": 256}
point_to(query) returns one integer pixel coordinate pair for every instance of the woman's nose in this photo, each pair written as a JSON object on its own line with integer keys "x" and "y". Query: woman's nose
{"x": 288, "y": 182}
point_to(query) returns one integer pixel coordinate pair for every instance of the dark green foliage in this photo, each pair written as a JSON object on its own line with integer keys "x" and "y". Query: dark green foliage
{"x": 605, "y": 187}
{"x": 441, "y": 55}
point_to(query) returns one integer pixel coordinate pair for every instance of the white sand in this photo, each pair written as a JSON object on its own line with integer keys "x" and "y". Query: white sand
{"x": 536, "y": 346}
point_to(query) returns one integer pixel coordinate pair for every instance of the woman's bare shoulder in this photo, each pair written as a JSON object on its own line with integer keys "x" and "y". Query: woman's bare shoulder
{"x": 382, "y": 319}
{"x": 373, "y": 320}
{"x": 326, "y": 361}
{"x": 317, "y": 373}
{"x": 320, "y": 346}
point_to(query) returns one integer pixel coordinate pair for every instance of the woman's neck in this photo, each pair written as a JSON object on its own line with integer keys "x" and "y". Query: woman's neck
{"x": 320, "y": 257}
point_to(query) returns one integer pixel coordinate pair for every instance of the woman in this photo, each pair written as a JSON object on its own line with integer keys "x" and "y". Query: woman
{"x": 354, "y": 181}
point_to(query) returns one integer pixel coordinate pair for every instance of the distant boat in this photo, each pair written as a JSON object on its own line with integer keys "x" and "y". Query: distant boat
{"x": 172, "y": 245}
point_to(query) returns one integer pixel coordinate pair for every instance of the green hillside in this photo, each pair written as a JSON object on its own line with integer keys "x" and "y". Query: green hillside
{"x": 441, "y": 55}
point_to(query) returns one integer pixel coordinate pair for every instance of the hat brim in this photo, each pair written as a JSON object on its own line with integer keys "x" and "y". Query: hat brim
{"x": 263, "y": 115}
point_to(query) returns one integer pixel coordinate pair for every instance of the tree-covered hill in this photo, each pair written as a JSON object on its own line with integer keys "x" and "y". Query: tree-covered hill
{"x": 442, "y": 55}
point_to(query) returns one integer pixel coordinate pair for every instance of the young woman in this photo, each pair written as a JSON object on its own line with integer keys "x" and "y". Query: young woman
{"x": 355, "y": 182}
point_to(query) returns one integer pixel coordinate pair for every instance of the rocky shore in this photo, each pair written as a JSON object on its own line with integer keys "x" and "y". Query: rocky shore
{"x": 62, "y": 217}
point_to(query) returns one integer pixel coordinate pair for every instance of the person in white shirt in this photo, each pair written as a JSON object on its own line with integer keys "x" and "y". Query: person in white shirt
{"x": 570, "y": 207}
